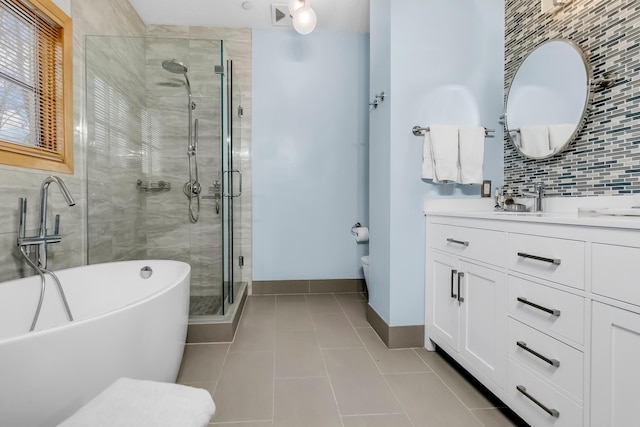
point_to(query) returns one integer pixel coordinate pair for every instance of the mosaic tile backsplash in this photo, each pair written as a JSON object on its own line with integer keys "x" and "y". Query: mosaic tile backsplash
{"x": 605, "y": 158}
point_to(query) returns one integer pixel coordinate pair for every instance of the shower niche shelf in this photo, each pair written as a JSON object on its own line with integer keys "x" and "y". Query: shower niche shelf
{"x": 145, "y": 186}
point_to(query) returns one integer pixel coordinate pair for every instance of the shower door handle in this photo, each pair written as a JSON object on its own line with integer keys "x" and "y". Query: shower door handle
{"x": 228, "y": 175}
{"x": 239, "y": 183}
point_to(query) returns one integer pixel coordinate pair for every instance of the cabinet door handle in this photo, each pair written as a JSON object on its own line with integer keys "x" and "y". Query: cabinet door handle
{"x": 555, "y": 261}
{"x": 453, "y": 274}
{"x": 459, "y": 242}
{"x": 553, "y": 412}
{"x": 460, "y": 299}
{"x": 552, "y": 362}
{"x": 552, "y": 311}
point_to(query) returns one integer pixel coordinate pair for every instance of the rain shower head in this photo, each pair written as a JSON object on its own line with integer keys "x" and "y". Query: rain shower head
{"x": 173, "y": 66}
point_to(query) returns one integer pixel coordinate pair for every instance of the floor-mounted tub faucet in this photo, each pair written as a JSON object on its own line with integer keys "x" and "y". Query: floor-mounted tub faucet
{"x": 42, "y": 239}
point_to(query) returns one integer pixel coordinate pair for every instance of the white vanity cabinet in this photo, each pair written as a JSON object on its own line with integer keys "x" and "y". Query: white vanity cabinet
{"x": 467, "y": 301}
{"x": 615, "y": 371}
{"x": 545, "y": 312}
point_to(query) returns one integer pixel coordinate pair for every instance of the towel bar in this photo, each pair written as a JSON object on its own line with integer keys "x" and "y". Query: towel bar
{"x": 417, "y": 130}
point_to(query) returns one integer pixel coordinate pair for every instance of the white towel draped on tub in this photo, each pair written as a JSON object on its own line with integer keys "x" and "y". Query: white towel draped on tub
{"x": 471, "y": 141}
{"x": 444, "y": 148}
{"x": 139, "y": 403}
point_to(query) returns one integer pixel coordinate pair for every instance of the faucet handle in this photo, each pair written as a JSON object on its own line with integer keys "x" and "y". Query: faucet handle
{"x": 56, "y": 227}
{"x": 22, "y": 217}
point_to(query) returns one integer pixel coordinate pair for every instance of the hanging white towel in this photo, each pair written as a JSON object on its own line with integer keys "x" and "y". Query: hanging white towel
{"x": 444, "y": 145}
{"x": 535, "y": 140}
{"x": 559, "y": 134}
{"x": 471, "y": 147}
{"x": 427, "y": 159}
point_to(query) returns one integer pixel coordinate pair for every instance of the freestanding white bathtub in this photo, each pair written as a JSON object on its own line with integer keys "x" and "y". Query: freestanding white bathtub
{"x": 124, "y": 326}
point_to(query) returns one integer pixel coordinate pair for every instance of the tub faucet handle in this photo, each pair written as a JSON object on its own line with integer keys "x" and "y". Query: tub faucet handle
{"x": 22, "y": 218}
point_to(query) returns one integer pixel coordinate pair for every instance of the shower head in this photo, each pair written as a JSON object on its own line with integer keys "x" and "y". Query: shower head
{"x": 173, "y": 66}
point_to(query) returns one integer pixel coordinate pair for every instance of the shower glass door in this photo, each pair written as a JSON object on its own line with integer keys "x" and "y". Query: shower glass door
{"x": 141, "y": 106}
{"x": 232, "y": 188}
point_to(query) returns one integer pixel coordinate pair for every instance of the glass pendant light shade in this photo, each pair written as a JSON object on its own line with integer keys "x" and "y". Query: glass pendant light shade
{"x": 295, "y": 5}
{"x": 304, "y": 19}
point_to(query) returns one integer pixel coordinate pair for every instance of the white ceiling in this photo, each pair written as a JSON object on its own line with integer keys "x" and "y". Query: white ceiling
{"x": 350, "y": 15}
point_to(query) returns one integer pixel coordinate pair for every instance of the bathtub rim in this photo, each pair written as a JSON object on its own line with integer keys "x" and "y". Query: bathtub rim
{"x": 160, "y": 292}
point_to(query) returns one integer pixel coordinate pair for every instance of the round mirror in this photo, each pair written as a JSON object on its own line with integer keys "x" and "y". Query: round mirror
{"x": 548, "y": 99}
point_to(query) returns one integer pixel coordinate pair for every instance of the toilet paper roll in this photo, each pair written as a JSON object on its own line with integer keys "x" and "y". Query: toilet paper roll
{"x": 362, "y": 234}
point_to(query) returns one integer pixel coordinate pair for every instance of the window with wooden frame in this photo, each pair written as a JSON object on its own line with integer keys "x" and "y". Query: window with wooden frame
{"x": 36, "y": 105}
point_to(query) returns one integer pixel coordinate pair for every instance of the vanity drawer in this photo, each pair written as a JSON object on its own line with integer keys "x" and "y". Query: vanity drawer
{"x": 546, "y": 308}
{"x": 557, "y": 260}
{"x": 569, "y": 413}
{"x": 475, "y": 243}
{"x": 548, "y": 357}
{"x": 615, "y": 272}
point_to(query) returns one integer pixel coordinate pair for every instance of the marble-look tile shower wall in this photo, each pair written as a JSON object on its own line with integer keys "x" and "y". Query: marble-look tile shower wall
{"x": 199, "y": 49}
{"x": 170, "y": 233}
{"x": 115, "y": 72}
{"x": 604, "y": 158}
{"x": 115, "y": 17}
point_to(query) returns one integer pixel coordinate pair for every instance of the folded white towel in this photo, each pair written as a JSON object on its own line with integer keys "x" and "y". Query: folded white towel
{"x": 139, "y": 403}
{"x": 559, "y": 134}
{"x": 535, "y": 141}
{"x": 427, "y": 159}
{"x": 444, "y": 145}
{"x": 471, "y": 146}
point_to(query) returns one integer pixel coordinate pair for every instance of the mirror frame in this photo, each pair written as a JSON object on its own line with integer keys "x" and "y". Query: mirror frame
{"x": 586, "y": 107}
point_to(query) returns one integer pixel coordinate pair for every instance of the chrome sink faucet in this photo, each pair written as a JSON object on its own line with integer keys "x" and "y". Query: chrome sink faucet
{"x": 42, "y": 239}
{"x": 537, "y": 194}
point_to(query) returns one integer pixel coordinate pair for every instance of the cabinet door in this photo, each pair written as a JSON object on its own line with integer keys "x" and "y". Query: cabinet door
{"x": 614, "y": 366}
{"x": 483, "y": 321}
{"x": 443, "y": 276}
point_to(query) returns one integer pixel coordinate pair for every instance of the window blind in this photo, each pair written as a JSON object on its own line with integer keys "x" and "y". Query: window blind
{"x": 31, "y": 79}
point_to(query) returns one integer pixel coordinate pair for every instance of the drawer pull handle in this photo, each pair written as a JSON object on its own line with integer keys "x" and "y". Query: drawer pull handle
{"x": 552, "y": 311}
{"x": 552, "y": 362}
{"x": 460, "y": 299}
{"x": 459, "y": 242}
{"x": 553, "y": 412}
{"x": 453, "y": 275}
{"x": 555, "y": 261}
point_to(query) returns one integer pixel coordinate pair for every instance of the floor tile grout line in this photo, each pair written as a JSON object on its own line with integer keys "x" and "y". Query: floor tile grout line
{"x": 447, "y": 385}
{"x": 395, "y": 396}
{"x": 326, "y": 369}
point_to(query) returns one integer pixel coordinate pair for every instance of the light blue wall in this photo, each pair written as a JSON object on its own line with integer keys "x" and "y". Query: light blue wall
{"x": 310, "y": 153}
{"x": 446, "y": 68}
{"x": 379, "y": 155}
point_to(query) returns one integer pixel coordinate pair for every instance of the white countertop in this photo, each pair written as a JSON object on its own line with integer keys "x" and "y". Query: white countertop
{"x": 560, "y": 210}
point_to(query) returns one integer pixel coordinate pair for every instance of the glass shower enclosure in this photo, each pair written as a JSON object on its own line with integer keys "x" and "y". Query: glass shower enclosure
{"x": 162, "y": 167}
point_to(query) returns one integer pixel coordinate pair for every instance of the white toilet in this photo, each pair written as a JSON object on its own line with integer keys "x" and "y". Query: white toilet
{"x": 365, "y": 268}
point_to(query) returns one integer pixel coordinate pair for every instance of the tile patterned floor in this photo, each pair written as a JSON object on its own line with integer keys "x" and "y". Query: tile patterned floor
{"x": 314, "y": 361}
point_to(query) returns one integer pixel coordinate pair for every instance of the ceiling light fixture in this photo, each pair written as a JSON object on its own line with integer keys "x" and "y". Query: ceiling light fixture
{"x": 304, "y": 18}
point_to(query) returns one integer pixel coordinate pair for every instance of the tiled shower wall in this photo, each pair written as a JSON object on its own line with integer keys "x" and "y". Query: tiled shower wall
{"x": 605, "y": 158}
{"x": 203, "y": 47}
{"x": 170, "y": 234}
{"x": 115, "y": 73}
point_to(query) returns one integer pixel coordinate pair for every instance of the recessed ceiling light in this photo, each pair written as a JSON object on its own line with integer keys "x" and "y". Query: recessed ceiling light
{"x": 247, "y": 5}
